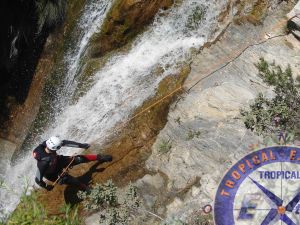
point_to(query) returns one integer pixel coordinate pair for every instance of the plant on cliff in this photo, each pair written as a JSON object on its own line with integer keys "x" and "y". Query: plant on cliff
{"x": 50, "y": 12}
{"x": 31, "y": 211}
{"x": 165, "y": 146}
{"x": 191, "y": 134}
{"x": 279, "y": 113}
{"x": 199, "y": 218}
{"x": 116, "y": 206}
{"x": 195, "y": 218}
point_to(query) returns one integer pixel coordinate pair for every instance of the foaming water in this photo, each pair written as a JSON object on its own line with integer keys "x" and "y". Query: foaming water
{"x": 89, "y": 22}
{"x": 88, "y": 25}
{"x": 15, "y": 180}
{"x": 126, "y": 80}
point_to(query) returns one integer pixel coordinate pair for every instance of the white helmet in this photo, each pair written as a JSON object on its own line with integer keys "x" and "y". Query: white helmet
{"x": 54, "y": 143}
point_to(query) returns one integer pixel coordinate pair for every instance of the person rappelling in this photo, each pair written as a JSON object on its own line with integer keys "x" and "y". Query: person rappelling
{"x": 54, "y": 167}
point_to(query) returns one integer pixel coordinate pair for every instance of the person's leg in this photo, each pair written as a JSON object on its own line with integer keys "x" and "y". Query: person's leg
{"x": 63, "y": 162}
{"x": 69, "y": 180}
{"x": 91, "y": 157}
{"x": 104, "y": 158}
{"x": 51, "y": 177}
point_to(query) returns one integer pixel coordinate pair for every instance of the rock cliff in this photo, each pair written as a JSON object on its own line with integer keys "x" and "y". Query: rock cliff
{"x": 204, "y": 130}
{"x": 124, "y": 21}
{"x": 21, "y": 48}
{"x": 202, "y": 135}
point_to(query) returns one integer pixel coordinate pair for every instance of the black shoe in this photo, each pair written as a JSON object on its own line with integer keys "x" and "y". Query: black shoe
{"x": 104, "y": 158}
{"x": 84, "y": 187}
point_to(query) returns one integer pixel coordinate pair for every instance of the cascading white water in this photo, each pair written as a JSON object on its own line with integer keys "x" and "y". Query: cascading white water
{"x": 89, "y": 22}
{"x": 126, "y": 80}
{"x": 87, "y": 26}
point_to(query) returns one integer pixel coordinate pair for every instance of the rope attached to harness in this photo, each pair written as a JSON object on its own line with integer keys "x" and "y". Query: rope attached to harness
{"x": 65, "y": 170}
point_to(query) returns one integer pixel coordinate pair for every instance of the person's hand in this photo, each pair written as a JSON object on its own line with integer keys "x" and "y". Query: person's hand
{"x": 49, "y": 187}
{"x": 84, "y": 145}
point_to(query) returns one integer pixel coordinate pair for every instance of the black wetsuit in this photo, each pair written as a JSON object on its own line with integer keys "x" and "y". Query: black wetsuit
{"x": 51, "y": 165}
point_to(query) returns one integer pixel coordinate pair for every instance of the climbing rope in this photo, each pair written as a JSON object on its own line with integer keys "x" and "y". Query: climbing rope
{"x": 227, "y": 60}
{"x": 65, "y": 170}
{"x": 231, "y": 57}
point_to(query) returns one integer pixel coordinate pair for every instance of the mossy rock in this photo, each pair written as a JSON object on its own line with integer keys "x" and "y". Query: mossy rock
{"x": 85, "y": 79}
{"x": 123, "y": 22}
{"x": 257, "y": 13}
{"x": 74, "y": 10}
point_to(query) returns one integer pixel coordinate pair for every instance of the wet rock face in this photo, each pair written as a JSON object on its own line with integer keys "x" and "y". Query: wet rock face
{"x": 125, "y": 20}
{"x": 20, "y": 50}
{"x": 205, "y": 129}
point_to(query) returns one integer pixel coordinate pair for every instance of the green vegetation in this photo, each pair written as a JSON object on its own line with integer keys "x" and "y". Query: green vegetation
{"x": 30, "y": 211}
{"x": 175, "y": 222}
{"x": 280, "y": 138}
{"x": 201, "y": 219}
{"x": 124, "y": 21}
{"x": 256, "y": 15}
{"x": 258, "y": 12}
{"x": 281, "y": 113}
{"x": 165, "y": 146}
{"x": 50, "y": 12}
{"x": 197, "y": 218}
{"x": 196, "y": 18}
{"x": 116, "y": 206}
{"x": 192, "y": 134}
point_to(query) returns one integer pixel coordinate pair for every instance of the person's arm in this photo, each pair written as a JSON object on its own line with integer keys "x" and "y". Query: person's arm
{"x": 42, "y": 167}
{"x": 75, "y": 144}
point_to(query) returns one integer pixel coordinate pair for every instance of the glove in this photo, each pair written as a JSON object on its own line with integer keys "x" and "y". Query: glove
{"x": 84, "y": 145}
{"x": 49, "y": 187}
{"x": 104, "y": 158}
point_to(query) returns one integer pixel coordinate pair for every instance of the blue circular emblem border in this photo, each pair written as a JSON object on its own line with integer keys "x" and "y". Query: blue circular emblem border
{"x": 223, "y": 206}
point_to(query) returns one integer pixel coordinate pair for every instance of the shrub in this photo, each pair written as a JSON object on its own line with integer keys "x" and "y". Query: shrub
{"x": 198, "y": 218}
{"x": 270, "y": 115}
{"x": 31, "y": 211}
{"x": 116, "y": 206}
{"x": 165, "y": 146}
{"x": 175, "y": 222}
{"x": 192, "y": 134}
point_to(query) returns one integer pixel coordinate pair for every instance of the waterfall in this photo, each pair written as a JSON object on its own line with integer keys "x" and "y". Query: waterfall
{"x": 90, "y": 21}
{"x": 87, "y": 26}
{"x": 125, "y": 81}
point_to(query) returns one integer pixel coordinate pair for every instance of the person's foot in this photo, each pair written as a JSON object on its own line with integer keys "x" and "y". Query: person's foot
{"x": 84, "y": 187}
{"x": 104, "y": 158}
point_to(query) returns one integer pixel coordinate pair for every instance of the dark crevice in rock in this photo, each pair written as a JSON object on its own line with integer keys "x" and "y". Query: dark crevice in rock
{"x": 21, "y": 47}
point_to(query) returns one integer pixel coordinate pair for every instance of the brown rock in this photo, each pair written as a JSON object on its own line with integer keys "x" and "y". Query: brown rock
{"x": 124, "y": 21}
